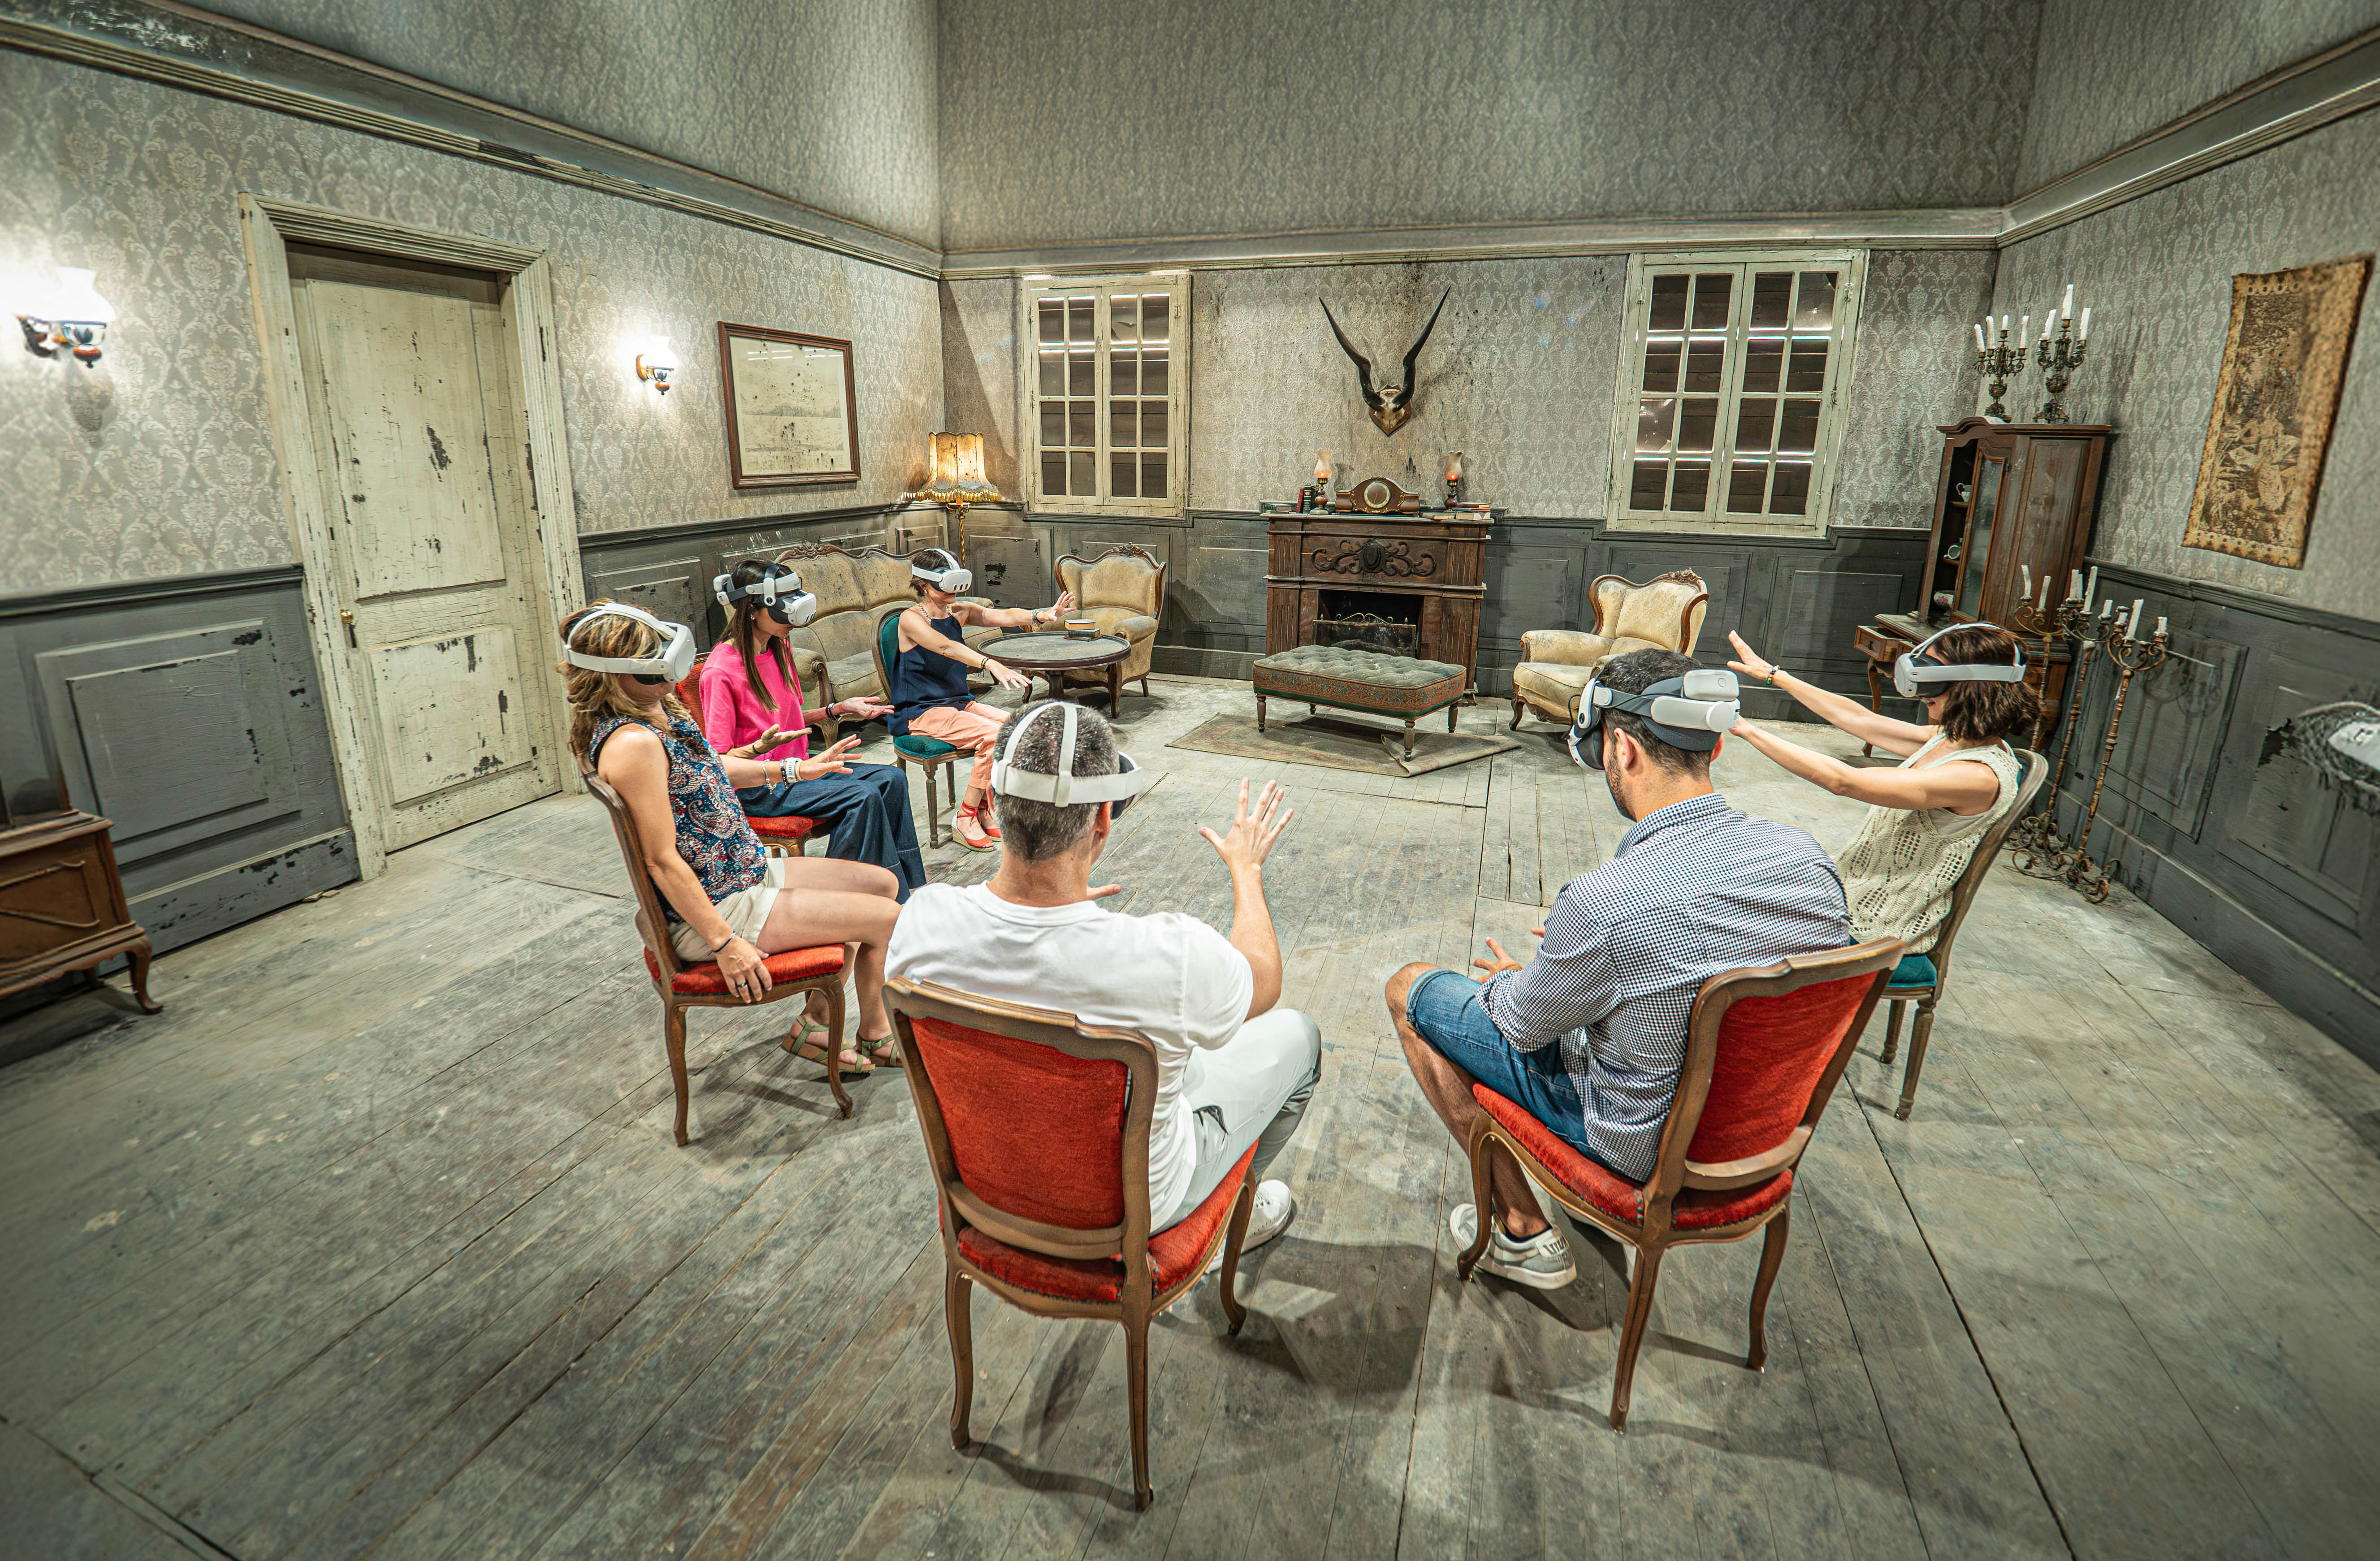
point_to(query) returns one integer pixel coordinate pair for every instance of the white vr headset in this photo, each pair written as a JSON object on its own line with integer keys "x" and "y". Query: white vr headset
{"x": 669, "y": 664}
{"x": 1686, "y": 712}
{"x": 952, "y": 576}
{"x": 1913, "y": 679}
{"x": 780, "y": 592}
{"x": 1066, "y": 789}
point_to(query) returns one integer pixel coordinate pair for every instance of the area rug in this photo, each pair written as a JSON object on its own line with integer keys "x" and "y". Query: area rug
{"x": 1336, "y": 744}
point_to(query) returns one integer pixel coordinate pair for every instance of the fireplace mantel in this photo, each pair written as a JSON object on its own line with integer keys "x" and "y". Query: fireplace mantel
{"x": 1425, "y": 568}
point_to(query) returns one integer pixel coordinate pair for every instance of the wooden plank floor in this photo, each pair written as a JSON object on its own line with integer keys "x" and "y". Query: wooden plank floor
{"x": 374, "y": 1244}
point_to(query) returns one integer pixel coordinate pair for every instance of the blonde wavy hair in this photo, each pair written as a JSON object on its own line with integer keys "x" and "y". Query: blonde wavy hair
{"x": 595, "y": 697}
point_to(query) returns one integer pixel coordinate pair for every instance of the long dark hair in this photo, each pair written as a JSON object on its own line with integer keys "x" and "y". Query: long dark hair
{"x": 1984, "y": 712}
{"x": 744, "y": 631}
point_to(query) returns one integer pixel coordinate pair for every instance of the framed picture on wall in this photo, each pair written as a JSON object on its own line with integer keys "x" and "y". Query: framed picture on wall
{"x": 792, "y": 416}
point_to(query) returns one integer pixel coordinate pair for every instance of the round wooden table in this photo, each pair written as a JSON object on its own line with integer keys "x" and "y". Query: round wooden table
{"x": 1053, "y": 655}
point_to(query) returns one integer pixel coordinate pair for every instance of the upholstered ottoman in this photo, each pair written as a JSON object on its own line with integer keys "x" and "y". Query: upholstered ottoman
{"x": 1361, "y": 679}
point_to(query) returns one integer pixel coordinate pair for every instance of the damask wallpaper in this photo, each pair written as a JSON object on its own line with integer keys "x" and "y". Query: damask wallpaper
{"x": 159, "y": 461}
{"x": 1518, "y": 375}
{"x": 2157, "y": 274}
{"x": 830, "y": 103}
{"x": 1081, "y": 119}
{"x": 2109, "y": 74}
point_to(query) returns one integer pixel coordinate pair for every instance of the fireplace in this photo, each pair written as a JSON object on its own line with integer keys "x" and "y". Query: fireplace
{"x": 1397, "y": 585}
{"x": 1368, "y": 621}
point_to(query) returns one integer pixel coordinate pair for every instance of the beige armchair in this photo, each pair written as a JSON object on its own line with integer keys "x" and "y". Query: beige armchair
{"x": 1122, "y": 589}
{"x": 834, "y": 654}
{"x": 1666, "y": 614}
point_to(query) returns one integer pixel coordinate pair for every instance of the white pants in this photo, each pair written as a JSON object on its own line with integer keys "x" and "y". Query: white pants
{"x": 1251, "y": 1090}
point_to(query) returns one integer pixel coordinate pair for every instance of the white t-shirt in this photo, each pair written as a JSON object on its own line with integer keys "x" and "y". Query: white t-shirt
{"x": 1171, "y": 976}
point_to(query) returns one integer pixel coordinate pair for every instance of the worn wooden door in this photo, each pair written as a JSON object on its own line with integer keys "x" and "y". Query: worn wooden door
{"x": 434, "y": 558}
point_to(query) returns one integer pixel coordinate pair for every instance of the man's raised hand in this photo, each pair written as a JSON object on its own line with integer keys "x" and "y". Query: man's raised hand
{"x": 1251, "y": 837}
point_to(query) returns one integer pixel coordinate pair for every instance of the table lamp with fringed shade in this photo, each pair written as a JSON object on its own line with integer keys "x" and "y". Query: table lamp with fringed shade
{"x": 954, "y": 479}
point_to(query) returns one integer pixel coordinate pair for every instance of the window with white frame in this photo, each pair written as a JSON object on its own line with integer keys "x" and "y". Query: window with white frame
{"x": 1105, "y": 379}
{"x": 1732, "y": 372}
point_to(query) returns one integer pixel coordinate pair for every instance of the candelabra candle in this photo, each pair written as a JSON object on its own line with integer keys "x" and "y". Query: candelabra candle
{"x": 2059, "y": 361}
{"x": 1999, "y": 365}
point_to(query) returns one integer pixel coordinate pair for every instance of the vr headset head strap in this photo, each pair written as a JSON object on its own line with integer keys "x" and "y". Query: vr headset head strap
{"x": 1064, "y": 789}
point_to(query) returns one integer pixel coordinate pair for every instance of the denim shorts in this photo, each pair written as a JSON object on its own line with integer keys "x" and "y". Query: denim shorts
{"x": 1444, "y": 1006}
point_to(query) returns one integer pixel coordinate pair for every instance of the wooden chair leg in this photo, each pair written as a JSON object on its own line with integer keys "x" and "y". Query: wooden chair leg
{"x": 1892, "y": 1031}
{"x": 1772, "y": 1258}
{"x": 834, "y": 1047}
{"x": 1919, "y": 1034}
{"x": 1136, "y": 1369}
{"x": 138, "y": 956}
{"x": 1240, "y": 1207}
{"x": 956, "y": 1292}
{"x": 1483, "y": 1203}
{"x": 1144, "y": 686}
{"x": 1517, "y": 709}
{"x": 674, "y": 1042}
{"x": 1640, "y": 1311}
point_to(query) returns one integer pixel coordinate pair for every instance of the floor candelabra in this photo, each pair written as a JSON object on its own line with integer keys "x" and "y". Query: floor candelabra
{"x": 2130, "y": 655}
{"x": 2036, "y": 839}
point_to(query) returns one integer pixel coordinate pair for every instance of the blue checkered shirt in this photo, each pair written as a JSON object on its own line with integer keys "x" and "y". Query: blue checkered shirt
{"x": 1693, "y": 890}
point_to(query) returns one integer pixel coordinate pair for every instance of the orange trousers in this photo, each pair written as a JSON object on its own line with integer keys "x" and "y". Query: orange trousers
{"x": 975, "y": 729}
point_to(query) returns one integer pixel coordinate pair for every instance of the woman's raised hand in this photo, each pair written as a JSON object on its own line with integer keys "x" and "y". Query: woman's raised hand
{"x": 831, "y": 762}
{"x": 1751, "y": 665}
{"x": 1065, "y": 599}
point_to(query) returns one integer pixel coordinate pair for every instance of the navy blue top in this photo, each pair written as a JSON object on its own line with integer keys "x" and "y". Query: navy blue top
{"x": 923, "y": 680}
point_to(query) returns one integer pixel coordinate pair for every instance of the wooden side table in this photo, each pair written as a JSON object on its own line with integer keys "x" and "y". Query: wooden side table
{"x": 62, "y": 906}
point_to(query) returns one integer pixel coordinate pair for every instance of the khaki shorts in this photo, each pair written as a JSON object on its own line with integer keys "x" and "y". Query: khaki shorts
{"x": 747, "y": 911}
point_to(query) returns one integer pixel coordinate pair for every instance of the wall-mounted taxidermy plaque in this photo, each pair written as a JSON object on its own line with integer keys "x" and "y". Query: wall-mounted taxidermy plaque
{"x": 792, "y": 416}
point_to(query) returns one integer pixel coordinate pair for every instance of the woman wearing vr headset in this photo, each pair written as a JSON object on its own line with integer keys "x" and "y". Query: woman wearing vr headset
{"x": 1957, "y": 775}
{"x": 752, "y": 708}
{"x": 725, "y": 898}
{"x": 929, "y": 687}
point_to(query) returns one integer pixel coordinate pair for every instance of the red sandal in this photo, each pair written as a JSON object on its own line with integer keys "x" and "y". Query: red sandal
{"x": 968, "y": 829}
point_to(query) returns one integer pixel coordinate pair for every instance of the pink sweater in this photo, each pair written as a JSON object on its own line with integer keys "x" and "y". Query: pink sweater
{"x": 732, "y": 715}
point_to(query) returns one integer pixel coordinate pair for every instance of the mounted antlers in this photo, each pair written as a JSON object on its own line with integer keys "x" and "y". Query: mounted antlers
{"x": 1390, "y": 409}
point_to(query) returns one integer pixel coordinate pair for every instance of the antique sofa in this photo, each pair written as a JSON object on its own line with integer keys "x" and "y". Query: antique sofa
{"x": 1122, "y": 589}
{"x": 1665, "y": 614}
{"x": 834, "y": 655}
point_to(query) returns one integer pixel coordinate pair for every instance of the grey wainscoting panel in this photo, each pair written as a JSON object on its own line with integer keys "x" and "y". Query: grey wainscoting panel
{"x": 189, "y": 718}
{"x": 2226, "y": 835}
{"x": 1214, "y": 620}
{"x": 1536, "y": 575}
{"x": 666, "y": 588}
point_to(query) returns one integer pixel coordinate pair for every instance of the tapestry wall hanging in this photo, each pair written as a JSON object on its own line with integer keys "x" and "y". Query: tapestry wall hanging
{"x": 2283, "y": 357}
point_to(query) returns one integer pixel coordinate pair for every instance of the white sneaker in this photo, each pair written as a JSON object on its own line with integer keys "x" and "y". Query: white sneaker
{"x": 1543, "y": 1261}
{"x": 1275, "y": 1208}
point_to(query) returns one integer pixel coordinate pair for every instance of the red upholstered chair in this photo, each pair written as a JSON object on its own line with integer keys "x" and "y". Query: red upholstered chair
{"x": 1037, "y": 1128}
{"x": 683, "y": 986}
{"x": 1763, "y": 1049}
{"x": 777, "y": 834}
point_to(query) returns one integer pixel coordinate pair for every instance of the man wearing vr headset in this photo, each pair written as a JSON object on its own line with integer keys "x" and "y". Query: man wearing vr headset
{"x": 1958, "y": 777}
{"x": 751, "y": 708}
{"x": 1233, "y": 1071}
{"x": 1590, "y": 1034}
{"x": 929, "y": 689}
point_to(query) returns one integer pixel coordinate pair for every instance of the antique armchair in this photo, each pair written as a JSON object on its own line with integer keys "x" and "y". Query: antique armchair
{"x": 1665, "y": 614}
{"x": 1122, "y": 589}
{"x": 1765, "y": 1048}
{"x": 1918, "y": 979}
{"x": 1037, "y": 1132}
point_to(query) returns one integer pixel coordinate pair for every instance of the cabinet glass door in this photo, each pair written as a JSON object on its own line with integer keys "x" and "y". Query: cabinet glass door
{"x": 1978, "y": 551}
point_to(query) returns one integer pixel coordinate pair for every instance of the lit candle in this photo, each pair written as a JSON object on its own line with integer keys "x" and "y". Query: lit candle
{"x": 1979, "y": 337}
{"x": 2074, "y": 586}
{"x": 2160, "y": 634}
{"x": 2091, "y": 589}
{"x": 2067, "y": 308}
{"x": 2138, "y": 602}
{"x": 2084, "y": 333}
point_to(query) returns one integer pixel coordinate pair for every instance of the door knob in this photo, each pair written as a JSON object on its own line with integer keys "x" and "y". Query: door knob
{"x": 348, "y": 618}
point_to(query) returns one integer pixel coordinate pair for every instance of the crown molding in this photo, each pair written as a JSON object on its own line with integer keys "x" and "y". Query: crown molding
{"x": 175, "y": 45}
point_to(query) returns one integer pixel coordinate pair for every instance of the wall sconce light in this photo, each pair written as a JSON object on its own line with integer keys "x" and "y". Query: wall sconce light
{"x": 954, "y": 479}
{"x": 657, "y": 363}
{"x": 73, "y": 320}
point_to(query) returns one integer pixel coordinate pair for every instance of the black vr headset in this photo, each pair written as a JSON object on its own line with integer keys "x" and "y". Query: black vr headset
{"x": 779, "y": 591}
{"x": 1065, "y": 788}
{"x": 1686, "y": 712}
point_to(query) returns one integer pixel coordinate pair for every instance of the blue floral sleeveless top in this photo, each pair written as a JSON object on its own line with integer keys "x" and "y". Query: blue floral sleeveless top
{"x": 712, "y": 834}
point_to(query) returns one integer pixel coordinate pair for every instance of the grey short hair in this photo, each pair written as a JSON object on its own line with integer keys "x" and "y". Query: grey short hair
{"x": 1039, "y": 830}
